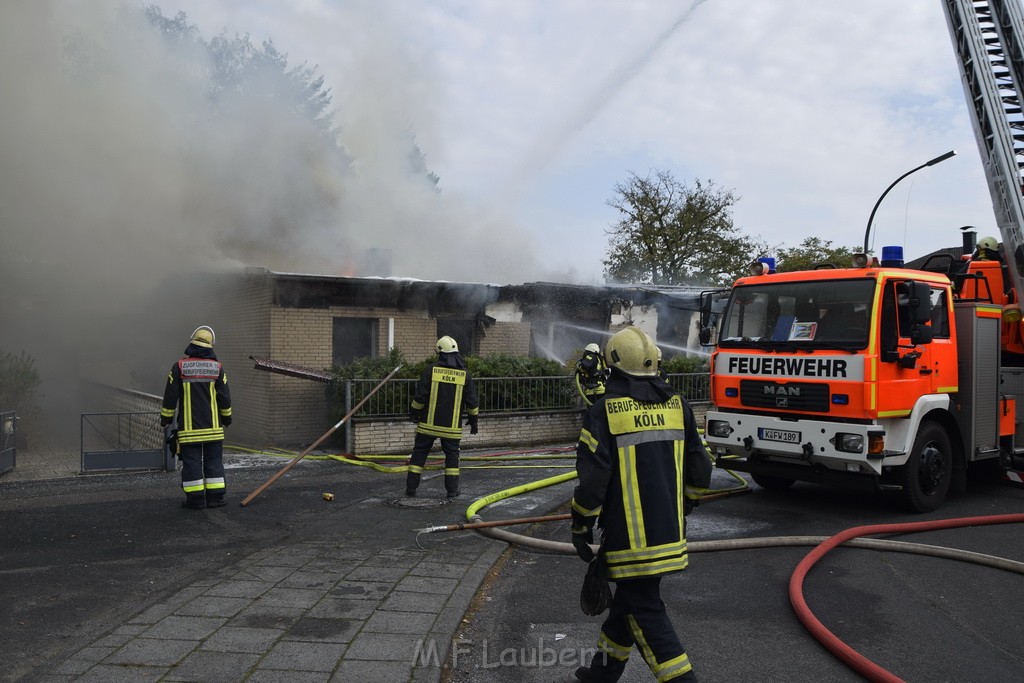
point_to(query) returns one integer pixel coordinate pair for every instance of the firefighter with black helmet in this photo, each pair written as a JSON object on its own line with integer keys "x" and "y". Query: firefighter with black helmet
{"x": 591, "y": 373}
{"x": 443, "y": 392}
{"x": 642, "y": 467}
{"x": 197, "y": 387}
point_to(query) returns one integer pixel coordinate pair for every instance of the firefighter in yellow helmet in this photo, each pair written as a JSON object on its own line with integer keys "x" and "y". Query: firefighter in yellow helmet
{"x": 591, "y": 373}
{"x": 197, "y": 388}
{"x": 640, "y": 509}
{"x": 443, "y": 392}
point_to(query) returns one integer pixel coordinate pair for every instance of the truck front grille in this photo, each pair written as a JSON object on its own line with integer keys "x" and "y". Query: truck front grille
{"x": 784, "y": 395}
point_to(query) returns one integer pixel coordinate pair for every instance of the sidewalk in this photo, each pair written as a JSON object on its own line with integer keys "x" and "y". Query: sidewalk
{"x": 43, "y": 463}
{"x": 370, "y": 604}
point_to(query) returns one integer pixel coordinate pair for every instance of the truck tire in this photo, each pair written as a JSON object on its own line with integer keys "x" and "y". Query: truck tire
{"x": 772, "y": 483}
{"x": 929, "y": 470}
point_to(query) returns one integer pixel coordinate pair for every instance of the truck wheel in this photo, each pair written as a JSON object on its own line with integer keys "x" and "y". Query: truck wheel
{"x": 772, "y": 483}
{"x": 927, "y": 474}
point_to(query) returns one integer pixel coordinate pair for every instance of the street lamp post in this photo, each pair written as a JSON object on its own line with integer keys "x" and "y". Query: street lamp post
{"x": 936, "y": 160}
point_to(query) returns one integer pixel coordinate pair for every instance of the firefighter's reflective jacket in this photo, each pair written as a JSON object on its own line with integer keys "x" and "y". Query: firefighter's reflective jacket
{"x": 591, "y": 373}
{"x": 198, "y": 387}
{"x": 640, "y": 460}
{"x": 444, "y": 389}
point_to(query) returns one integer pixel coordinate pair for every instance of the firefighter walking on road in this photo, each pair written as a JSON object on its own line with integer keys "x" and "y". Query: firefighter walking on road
{"x": 443, "y": 391}
{"x": 642, "y": 467}
{"x": 197, "y": 388}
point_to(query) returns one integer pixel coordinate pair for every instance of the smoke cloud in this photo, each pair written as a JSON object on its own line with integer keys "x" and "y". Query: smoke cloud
{"x": 116, "y": 178}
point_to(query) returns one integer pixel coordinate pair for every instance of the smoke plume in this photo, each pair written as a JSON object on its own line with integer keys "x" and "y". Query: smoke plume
{"x": 119, "y": 175}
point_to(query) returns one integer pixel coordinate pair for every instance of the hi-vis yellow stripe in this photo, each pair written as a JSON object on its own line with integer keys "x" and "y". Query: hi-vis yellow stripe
{"x": 631, "y": 498}
{"x": 988, "y": 312}
{"x": 629, "y": 415}
{"x": 448, "y": 375}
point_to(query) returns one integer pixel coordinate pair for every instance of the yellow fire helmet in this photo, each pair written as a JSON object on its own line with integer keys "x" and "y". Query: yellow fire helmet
{"x": 204, "y": 336}
{"x": 633, "y": 352}
{"x": 447, "y": 345}
{"x": 592, "y": 348}
{"x": 988, "y": 243}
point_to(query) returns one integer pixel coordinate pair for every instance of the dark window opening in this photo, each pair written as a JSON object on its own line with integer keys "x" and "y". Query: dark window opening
{"x": 353, "y": 338}
{"x": 462, "y": 331}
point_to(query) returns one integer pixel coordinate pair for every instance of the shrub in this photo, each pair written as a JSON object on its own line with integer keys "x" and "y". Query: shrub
{"x": 19, "y": 381}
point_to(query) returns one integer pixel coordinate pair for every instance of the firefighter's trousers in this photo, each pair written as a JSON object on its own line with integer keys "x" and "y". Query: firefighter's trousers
{"x": 420, "y": 450}
{"x": 202, "y": 473}
{"x": 637, "y": 616}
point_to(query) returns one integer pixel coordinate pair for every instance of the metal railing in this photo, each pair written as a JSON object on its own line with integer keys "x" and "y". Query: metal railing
{"x": 119, "y": 441}
{"x": 504, "y": 394}
{"x": 8, "y": 441}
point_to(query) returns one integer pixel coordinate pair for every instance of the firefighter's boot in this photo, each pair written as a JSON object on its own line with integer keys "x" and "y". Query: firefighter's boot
{"x": 215, "y": 499}
{"x": 412, "y": 480}
{"x": 194, "y": 500}
{"x": 451, "y": 485}
{"x": 599, "y": 674}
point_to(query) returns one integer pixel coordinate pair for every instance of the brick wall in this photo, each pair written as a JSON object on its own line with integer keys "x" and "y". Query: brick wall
{"x": 506, "y": 337}
{"x": 380, "y": 437}
{"x": 241, "y": 320}
{"x": 389, "y": 437}
{"x": 304, "y": 336}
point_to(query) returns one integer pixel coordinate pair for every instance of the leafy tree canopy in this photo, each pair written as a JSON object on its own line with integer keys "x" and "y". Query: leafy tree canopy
{"x": 812, "y": 252}
{"x": 671, "y": 233}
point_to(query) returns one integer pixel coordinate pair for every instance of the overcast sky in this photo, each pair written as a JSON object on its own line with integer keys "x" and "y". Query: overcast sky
{"x": 535, "y": 109}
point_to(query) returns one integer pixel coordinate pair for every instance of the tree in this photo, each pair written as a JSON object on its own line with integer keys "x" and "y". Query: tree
{"x": 812, "y": 252}
{"x": 674, "y": 234}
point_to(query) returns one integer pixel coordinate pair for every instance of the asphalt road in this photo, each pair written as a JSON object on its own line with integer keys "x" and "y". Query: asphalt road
{"x": 922, "y": 618}
{"x": 82, "y": 554}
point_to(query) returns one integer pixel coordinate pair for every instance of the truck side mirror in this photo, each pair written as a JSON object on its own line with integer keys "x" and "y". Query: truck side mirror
{"x": 921, "y": 334}
{"x": 920, "y": 303}
{"x": 704, "y": 336}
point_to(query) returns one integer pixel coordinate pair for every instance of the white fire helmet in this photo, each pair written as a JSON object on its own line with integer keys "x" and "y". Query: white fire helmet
{"x": 447, "y": 345}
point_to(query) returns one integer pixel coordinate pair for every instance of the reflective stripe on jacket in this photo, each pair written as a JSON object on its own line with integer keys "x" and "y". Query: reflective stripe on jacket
{"x": 198, "y": 389}
{"x": 636, "y": 462}
{"x": 442, "y": 393}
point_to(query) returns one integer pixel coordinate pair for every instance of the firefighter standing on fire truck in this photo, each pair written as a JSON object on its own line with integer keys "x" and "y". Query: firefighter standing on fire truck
{"x": 198, "y": 387}
{"x": 642, "y": 466}
{"x": 443, "y": 391}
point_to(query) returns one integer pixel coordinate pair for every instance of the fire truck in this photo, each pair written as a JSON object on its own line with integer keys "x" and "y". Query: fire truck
{"x": 879, "y": 376}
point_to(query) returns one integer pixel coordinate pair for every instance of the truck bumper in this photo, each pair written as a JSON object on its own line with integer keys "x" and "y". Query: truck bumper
{"x": 806, "y": 450}
{"x": 810, "y": 472}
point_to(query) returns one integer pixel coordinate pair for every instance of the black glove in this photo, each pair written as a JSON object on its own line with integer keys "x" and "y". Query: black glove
{"x": 226, "y": 420}
{"x": 473, "y": 428}
{"x": 582, "y": 535}
{"x": 164, "y": 421}
{"x": 414, "y": 415}
{"x": 689, "y": 504}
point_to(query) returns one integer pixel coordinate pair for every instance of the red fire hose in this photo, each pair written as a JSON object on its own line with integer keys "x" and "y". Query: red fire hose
{"x": 848, "y": 655}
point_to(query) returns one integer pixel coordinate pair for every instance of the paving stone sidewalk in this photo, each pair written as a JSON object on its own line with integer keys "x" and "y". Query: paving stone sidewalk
{"x": 370, "y": 606}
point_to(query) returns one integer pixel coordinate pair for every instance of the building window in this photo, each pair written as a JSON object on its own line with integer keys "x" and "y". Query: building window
{"x": 462, "y": 331}
{"x": 353, "y": 338}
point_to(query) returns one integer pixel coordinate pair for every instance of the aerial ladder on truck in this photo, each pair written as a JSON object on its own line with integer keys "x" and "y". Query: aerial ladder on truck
{"x": 988, "y": 41}
{"x": 878, "y": 375}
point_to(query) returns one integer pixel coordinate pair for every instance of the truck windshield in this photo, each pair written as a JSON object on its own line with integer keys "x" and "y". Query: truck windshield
{"x": 808, "y": 315}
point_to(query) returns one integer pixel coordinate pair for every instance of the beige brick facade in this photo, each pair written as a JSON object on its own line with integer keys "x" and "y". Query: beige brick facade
{"x": 290, "y": 319}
